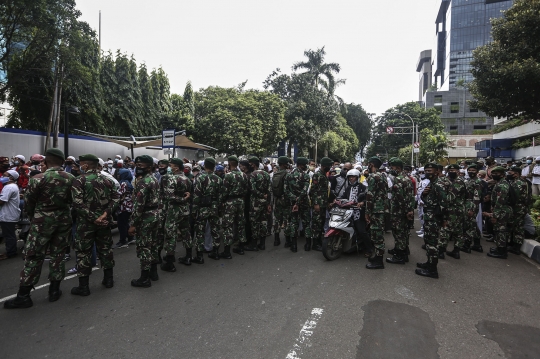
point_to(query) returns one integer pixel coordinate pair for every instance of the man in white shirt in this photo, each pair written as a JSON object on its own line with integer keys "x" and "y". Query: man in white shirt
{"x": 421, "y": 186}
{"x": 100, "y": 167}
{"x": 526, "y": 171}
{"x": 10, "y": 213}
{"x": 536, "y": 178}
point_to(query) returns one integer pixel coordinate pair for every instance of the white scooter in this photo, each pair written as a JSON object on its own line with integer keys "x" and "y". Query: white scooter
{"x": 340, "y": 236}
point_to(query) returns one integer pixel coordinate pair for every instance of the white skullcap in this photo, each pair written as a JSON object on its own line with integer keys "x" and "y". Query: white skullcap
{"x": 188, "y": 165}
{"x": 120, "y": 162}
{"x": 21, "y": 157}
{"x": 13, "y": 174}
{"x": 156, "y": 161}
{"x": 537, "y": 159}
{"x": 101, "y": 162}
{"x": 118, "y": 156}
{"x": 71, "y": 158}
{"x": 421, "y": 169}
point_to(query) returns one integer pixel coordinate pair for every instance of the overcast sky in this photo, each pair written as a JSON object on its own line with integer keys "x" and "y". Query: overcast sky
{"x": 225, "y": 42}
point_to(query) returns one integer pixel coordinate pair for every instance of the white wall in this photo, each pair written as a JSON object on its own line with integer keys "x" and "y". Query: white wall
{"x": 527, "y": 151}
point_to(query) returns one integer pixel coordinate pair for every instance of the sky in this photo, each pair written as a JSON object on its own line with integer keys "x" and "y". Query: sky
{"x": 224, "y": 42}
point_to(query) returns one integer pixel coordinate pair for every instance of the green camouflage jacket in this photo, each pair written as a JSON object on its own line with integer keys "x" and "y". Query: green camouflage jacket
{"x": 145, "y": 201}
{"x": 377, "y": 194}
{"x": 296, "y": 186}
{"x": 235, "y": 185}
{"x": 93, "y": 194}
{"x": 456, "y": 204}
{"x": 500, "y": 201}
{"x": 402, "y": 201}
{"x": 175, "y": 189}
{"x": 207, "y": 192}
{"x": 260, "y": 185}
{"x": 521, "y": 189}
{"x": 436, "y": 201}
{"x": 474, "y": 194}
{"x": 49, "y": 192}
{"x": 318, "y": 192}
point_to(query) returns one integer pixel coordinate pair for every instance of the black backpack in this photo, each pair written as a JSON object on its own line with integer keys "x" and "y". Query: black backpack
{"x": 278, "y": 183}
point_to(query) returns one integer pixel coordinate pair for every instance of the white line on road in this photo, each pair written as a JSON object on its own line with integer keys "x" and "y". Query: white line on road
{"x": 43, "y": 286}
{"x": 305, "y": 333}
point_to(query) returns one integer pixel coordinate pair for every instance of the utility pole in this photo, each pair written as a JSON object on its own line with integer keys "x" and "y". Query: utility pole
{"x": 100, "y": 33}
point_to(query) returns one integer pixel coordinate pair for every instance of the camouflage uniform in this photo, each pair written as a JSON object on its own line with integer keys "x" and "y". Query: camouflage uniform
{"x": 296, "y": 192}
{"x": 502, "y": 212}
{"x": 93, "y": 194}
{"x": 162, "y": 212}
{"x": 456, "y": 213}
{"x": 435, "y": 210}
{"x": 472, "y": 203}
{"x": 176, "y": 212}
{"x": 235, "y": 187}
{"x": 47, "y": 202}
{"x": 444, "y": 232}
{"x": 207, "y": 198}
{"x": 145, "y": 219}
{"x": 376, "y": 209}
{"x": 401, "y": 203}
{"x": 318, "y": 195}
{"x": 520, "y": 209}
{"x": 281, "y": 210}
{"x": 260, "y": 186}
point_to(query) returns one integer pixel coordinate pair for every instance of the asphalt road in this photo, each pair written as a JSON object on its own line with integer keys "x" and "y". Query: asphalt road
{"x": 278, "y": 304}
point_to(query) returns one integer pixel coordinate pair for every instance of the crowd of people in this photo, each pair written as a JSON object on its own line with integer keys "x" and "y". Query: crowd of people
{"x": 159, "y": 203}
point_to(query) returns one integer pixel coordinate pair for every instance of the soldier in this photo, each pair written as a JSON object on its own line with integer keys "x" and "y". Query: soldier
{"x": 94, "y": 199}
{"x": 456, "y": 208}
{"x": 522, "y": 200}
{"x": 144, "y": 220}
{"x": 376, "y": 209}
{"x": 434, "y": 199}
{"x": 501, "y": 212}
{"x": 296, "y": 192}
{"x": 444, "y": 233}
{"x": 207, "y": 198}
{"x": 246, "y": 169}
{"x": 163, "y": 167}
{"x": 472, "y": 208}
{"x": 318, "y": 195}
{"x": 47, "y": 203}
{"x": 401, "y": 210}
{"x": 235, "y": 187}
{"x": 281, "y": 207}
{"x": 177, "y": 192}
{"x": 260, "y": 204}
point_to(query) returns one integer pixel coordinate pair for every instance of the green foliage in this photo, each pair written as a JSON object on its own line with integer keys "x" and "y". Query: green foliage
{"x": 341, "y": 142}
{"x": 527, "y": 142}
{"x": 507, "y": 70}
{"x": 404, "y": 154}
{"x": 509, "y": 124}
{"x": 432, "y": 146}
{"x": 481, "y": 132}
{"x": 361, "y": 123}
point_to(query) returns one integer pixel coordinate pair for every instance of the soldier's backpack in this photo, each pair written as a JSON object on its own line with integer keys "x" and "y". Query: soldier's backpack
{"x": 278, "y": 183}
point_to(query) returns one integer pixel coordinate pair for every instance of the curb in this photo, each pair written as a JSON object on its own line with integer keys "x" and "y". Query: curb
{"x": 531, "y": 249}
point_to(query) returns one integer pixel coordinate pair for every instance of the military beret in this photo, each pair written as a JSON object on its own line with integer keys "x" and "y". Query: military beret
{"x": 233, "y": 158}
{"x": 490, "y": 158}
{"x": 283, "y": 160}
{"x": 325, "y": 161}
{"x": 472, "y": 165}
{"x": 210, "y": 161}
{"x": 431, "y": 165}
{"x": 375, "y": 160}
{"x": 515, "y": 169}
{"x": 302, "y": 161}
{"x": 177, "y": 161}
{"x": 88, "y": 157}
{"x": 56, "y": 153}
{"x": 254, "y": 159}
{"x": 394, "y": 161}
{"x": 144, "y": 159}
{"x": 453, "y": 167}
{"x": 165, "y": 162}
{"x": 440, "y": 167}
{"x": 244, "y": 163}
{"x": 498, "y": 169}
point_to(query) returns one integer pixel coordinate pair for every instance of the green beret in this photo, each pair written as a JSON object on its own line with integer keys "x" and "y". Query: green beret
{"x": 375, "y": 160}
{"x": 472, "y": 165}
{"x": 210, "y": 160}
{"x": 431, "y": 165}
{"x": 144, "y": 159}
{"x": 394, "y": 161}
{"x": 326, "y": 162}
{"x": 283, "y": 160}
{"x": 439, "y": 167}
{"x": 178, "y": 162}
{"x": 453, "y": 167}
{"x": 498, "y": 169}
{"x": 515, "y": 169}
{"x": 55, "y": 152}
{"x": 254, "y": 159}
{"x": 165, "y": 162}
{"x": 233, "y": 158}
{"x": 88, "y": 157}
{"x": 302, "y": 161}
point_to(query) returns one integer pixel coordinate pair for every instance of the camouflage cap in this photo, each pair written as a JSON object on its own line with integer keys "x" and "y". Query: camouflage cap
{"x": 326, "y": 162}
{"x": 165, "y": 162}
{"x": 233, "y": 158}
{"x": 177, "y": 161}
{"x": 498, "y": 169}
{"x": 144, "y": 159}
{"x": 394, "y": 161}
{"x": 302, "y": 161}
{"x": 88, "y": 157}
{"x": 431, "y": 165}
{"x": 453, "y": 167}
{"x": 515, "y": 169}
{"x": 210, "y": 161}
{"x": 55, "y": 152}
{"x": 375, "y": 160}
{"x": 283, "y": 160}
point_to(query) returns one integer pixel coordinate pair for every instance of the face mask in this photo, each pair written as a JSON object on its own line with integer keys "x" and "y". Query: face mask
{"x": 509, "y": 177}
{"x": 16, "y": 163}
{"x": 343, "y": 173}
{"x": 5, "y": 165}
{"x": 353, "y": 181}
{"x": 393, "y": 173}
{"x": 312, "y": 168}
{"x": 162, "y": 171}
{"x": 422, "y": 176}
{"x": 110, "y": 166}
{"x": 429, "y": 176}
{"x": 496, "y": 177}
{"x": 452, "y": 175}
{"x": 529, "y": 162}
{"x": 4, "y": 180}
{"x": 472, "y": 174}
{"x": 140, "y": 171}
{"x": 186, "y": 170}
{"x": 35, "y": 163}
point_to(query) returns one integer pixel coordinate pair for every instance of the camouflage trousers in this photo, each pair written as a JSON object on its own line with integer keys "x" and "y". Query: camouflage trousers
{"x": 160, "y": 236}
{"x": 376, "y": 231}
{"x": 302, "y": 215}
{"x": 400, "y": 231}
{"x": 518, "y": 230}
{"x": 258, "y": 212}
{"x": 48, "y": 231}
{"x": 233, "y": 214}
{"x": 281, "y": 214}
{"x": 432, "y": 230}
{"x": 87, "y": 235}
{"x": 317, "y": 222}
{"x": 454, "y": 231}
{"x": 471, "y": 233}
{"x": 210, "y": 216}
{"x": 501, "y": 233}
{"x": 176, "y": 229}
{"x": 146, "y": 240}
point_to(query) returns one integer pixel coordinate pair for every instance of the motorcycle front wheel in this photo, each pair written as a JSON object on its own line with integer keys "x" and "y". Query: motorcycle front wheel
{"x": 332, "y": 247}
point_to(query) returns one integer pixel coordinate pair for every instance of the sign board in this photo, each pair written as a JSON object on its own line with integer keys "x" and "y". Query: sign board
{"x": 417, "y": 145}
{"x": 389, "y": 130}
{"x": 416, "y": 150}
{"x": 167, "y": 139}
{"x": 168, "y": 151}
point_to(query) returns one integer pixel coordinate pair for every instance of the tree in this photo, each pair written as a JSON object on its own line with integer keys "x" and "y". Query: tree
{"x": 361, "y": 123}
{"x": 507, "y": 70}
{"x": 340, "y": 142}
{"x": 321, "y": 73}
{"x": 433, "y": 146}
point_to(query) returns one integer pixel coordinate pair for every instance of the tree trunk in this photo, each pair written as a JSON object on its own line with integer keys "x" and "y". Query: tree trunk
{"x": 53, "y": 108}
{"x": 58, "y": 111}
{"x": 315, "y": 156}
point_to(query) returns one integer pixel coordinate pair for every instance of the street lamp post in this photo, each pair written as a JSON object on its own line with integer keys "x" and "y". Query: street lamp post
{"x": 68, "y": 110}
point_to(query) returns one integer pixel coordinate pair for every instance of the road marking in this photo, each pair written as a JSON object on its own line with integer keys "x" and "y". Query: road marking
{"x": 306, "y": 332}
{"x": 43, "y": 286}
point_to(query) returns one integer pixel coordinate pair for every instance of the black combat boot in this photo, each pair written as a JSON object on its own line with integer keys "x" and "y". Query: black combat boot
{"x": 226, "y": 254}
{"x": 143, "y": 281}
{"x": 477, "y": 247}
{"x": 168, "y": 266}
{"x": 423, "y": 247}
{"x": 252, "y": 246}
{"x": 490, "y": 238}
{"x": 398, "y": 257}
{"x": 375, "y": 263}
{"x": 154, "y": 276}
{"x": 430, "y": 270}
{"x": 22, "y": 300}
{"x": 108, "y": 281}
{"x": 454, "y": 253}
{"x": 307, "y": 246}
{"x": 407, "y": 251}
{"x": 393, "y": 250}
{"x": 160, "y": 259}
{"x": 317, "y": 244}
{"x": 294, "y": 247}
{"x": 187, "y": 259}
{"x": 239, "y": 249}
{"x": 215, "y": 253}
{"x": 54, "y": 290}
{"x": 441, "y": 252}
{"x": 515, "y": 249}
{"x": 199, "y": 259}
{"x": 83, "y": 289}
{"x": 500, "y": 253}
{"x": 288, "y": 242}
{"x": 466, "y": 248}
{"x": 262, "y": 243}
{"x": 423, "y": 265}
{"x": 277, "y": 241}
